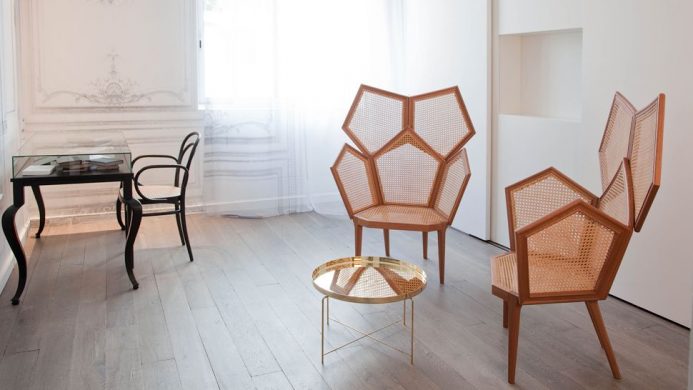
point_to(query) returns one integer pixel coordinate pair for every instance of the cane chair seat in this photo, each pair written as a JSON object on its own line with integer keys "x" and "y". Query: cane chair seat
{"x": 402, "y": 217}
{"x": 504, "y": 273}
{"x": 156, "y": 192}
{"x": 548, "y": 275}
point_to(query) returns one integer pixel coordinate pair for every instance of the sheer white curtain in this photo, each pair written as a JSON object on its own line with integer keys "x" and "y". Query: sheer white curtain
{"x": 277, "y": 81}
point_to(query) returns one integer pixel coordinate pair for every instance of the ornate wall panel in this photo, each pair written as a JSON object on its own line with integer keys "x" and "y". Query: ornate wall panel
{"x": 88, "y": 54}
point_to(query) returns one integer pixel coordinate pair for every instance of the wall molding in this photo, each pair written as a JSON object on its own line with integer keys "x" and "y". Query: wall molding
{"x": 114, "y": 90}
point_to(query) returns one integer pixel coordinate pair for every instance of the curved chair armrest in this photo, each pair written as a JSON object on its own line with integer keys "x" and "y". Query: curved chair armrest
{"x": 574, "y": 250}
{"x": 539, "y": 195}
{"x": 152, "y": 156}
{"x": 355, "y": 180}
{"x": 160, "y": 166}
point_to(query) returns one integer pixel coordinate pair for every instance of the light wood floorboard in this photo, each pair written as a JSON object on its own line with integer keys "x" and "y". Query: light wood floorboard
{"x": 245, "y": 315}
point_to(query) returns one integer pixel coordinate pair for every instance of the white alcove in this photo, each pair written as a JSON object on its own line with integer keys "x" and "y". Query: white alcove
{"x": 540, "y": 74}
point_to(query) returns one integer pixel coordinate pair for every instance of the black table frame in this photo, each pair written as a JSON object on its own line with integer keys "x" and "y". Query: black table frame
{"x": 133, "y": 210}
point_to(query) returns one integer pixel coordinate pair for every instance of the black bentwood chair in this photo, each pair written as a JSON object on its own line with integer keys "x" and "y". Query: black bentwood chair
{"x": 165, "y": 194}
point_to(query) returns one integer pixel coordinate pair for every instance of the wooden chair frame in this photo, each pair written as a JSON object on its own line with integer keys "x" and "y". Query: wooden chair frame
{"x": 552, "y": 197}
{"x": 362, "y": 165}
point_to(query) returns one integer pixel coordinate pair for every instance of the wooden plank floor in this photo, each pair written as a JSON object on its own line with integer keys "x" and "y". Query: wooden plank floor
{"x": 245, "y": 315}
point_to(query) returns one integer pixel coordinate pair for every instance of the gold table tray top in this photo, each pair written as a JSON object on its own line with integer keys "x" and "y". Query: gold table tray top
{"x": 364, "y": 279}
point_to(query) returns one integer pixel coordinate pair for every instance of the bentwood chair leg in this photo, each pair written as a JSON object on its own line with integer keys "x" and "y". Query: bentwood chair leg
{"x": 180, "y": 225}
{"x": 513, "y": 336}
{"x": 185, "y": 230}
{"x": 505, "y": 314}
{"x": 358, "y": 233}
{"x": 441, "y": 255}
{"x": 425, "y": 245}
{"x": 386, "y": 236}
{"x": 598, "y": 321}
{"x": 119, "y": 209}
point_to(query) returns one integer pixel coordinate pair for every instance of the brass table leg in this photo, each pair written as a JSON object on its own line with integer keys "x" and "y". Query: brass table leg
{"x": 404, "y": 313}
{"x": 412, "y": 331}
{"x": 325, "y": 309}
{"x": 322, "y": 329}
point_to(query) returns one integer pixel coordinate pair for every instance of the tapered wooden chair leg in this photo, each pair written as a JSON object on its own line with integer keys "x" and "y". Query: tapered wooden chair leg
{"x": 592, "y": 318}
{"x": 441, "y": 255}
{"x": 358, "y": 233}
{"x": 505, "y": 314}
{"x": 598, "y": 321}
{"x": 425, "y": 245}
{"x": 386, "y": 236}
{"x": 513, "y": 337}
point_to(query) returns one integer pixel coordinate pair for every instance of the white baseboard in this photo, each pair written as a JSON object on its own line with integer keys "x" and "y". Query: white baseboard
{"x": 8, "y": 260}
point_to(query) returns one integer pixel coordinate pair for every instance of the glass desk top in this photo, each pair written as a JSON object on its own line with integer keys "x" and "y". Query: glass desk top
{"x": 71, "y": 153}
{"x": 369, "y": 279}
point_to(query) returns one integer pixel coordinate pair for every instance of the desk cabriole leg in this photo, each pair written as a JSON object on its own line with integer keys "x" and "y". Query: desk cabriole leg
{"x": 10, "y": 231}
{"x": 41, "y": 208}
{"x": 135, "y": 210}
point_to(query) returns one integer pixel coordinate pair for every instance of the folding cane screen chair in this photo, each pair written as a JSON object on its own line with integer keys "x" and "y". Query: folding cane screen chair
{"x": 411, "y": 168}
{"x": 566, "y": 243}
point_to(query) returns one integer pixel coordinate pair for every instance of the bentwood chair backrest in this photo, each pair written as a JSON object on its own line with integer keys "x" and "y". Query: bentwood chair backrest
{"x": 186, "y": 154}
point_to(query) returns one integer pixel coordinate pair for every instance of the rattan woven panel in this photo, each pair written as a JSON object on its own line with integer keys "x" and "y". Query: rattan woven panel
{"x": 615, "y": 200}
{"x": 504, "y": 272}
{"x": 614, "y": 146}
{"x": 539, "y": 197}
{"x": 441, "y": 120}
{"x": 373, "y": 283}
{"x": 404, "y": 215}
{"x": 568, "y": 255}
{"x": 455, "y": 175}
{"x": 645, "y": 158}
{"x": 375, "y": 119}
{"x": 406, "y": 171}
{"x": 354, "y": 178}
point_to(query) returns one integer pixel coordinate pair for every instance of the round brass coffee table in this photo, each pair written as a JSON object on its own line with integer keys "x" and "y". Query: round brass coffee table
{"x": 370, "y": 280}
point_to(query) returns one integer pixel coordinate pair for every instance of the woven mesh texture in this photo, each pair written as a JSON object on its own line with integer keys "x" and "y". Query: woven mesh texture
{"x": 644, "y": 155}
{"x": 405, "y": 215}
{"x": 376, "y": 120}
{"x": 614, "y": 201}
{"x": 614, "y": 146}
{"x": 369, "y": 282}
{"x": 455, "y": 172}
{"x": 504, "y": 272}
{"x": 568, "y": 256}
{"x": 440, "y": 122}
{"x": 406, "y": 171}
{"x": 353, "y": 174}
{"x": 539, "y": 197}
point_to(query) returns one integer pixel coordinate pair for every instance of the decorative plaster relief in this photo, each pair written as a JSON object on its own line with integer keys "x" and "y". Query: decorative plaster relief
{"x": 114, "y": 90}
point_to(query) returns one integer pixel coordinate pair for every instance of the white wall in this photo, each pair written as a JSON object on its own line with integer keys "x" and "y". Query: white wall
{"x": 537, "y": 98}
{"x": 110, "y": 65}
{"x": 9, "y": 127}
{"x": 641, "y": 48}
{"x": 446, "y": 44}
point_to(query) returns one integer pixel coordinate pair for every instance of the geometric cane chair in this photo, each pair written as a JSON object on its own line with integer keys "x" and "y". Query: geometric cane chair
{"x": 566, "y": 244}
{"x": 165, "y": 194}
{"x": 411, "y": 169}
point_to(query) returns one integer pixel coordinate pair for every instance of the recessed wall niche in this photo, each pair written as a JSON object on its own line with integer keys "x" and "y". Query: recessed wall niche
{"x": 541, "y": 74}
